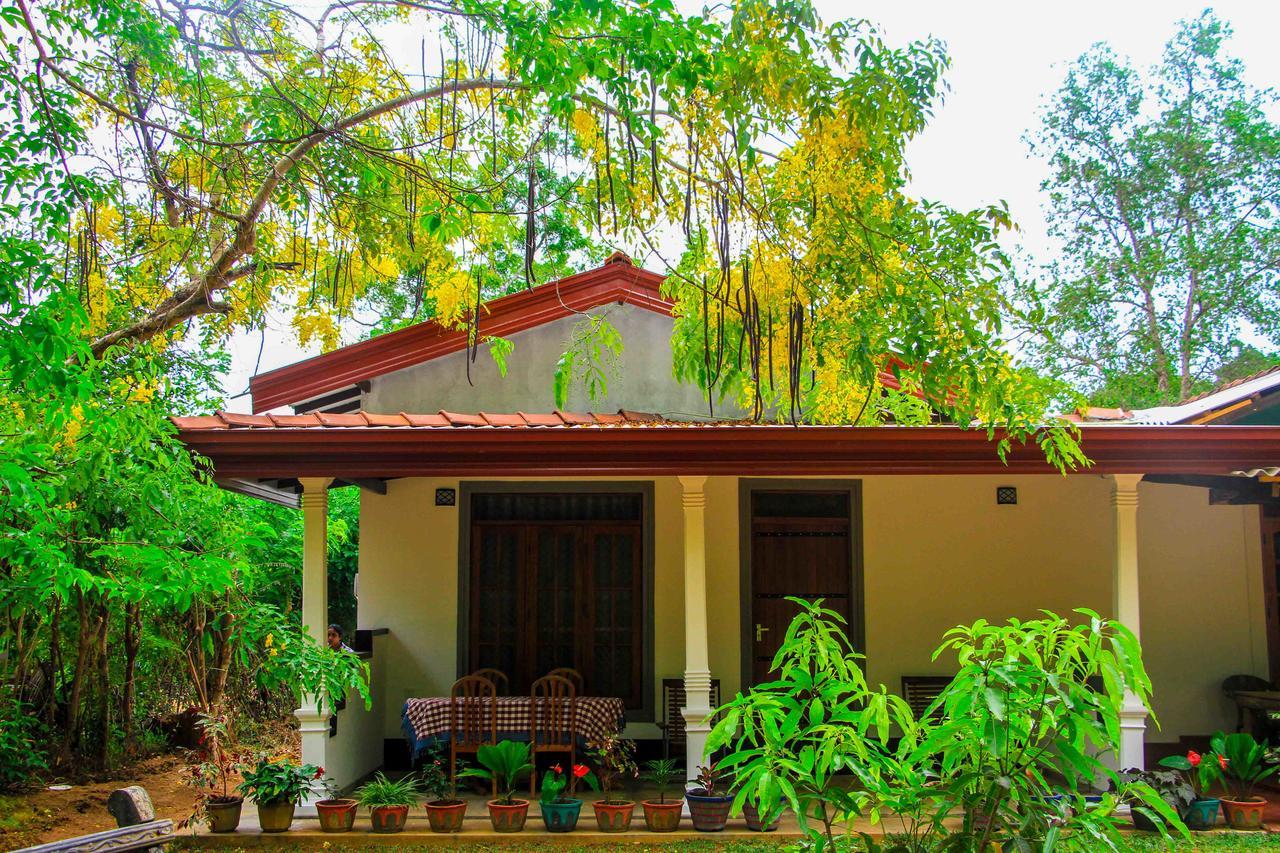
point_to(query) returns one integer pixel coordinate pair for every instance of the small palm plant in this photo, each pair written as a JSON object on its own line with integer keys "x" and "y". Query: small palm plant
{"x": 663, "y": 773}
{"x": 1244, "y": 763}
{"x": 503, "y": 764}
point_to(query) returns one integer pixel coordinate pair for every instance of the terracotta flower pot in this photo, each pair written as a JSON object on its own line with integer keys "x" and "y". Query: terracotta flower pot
{"x": 561, "y": 815}
{"x": 336, "y": 815}
{"x": 388, "y": 819}
{"x": 752, "y": 816}
{"x": 508, "y": 818}
{"x": 1201, "y": 814}
{"x": 275, "y": 817}
{"x": 224, "y": 815}
{"x": 446, "y": 815}
{"x": 1244, "y": 814}
{"x": 662, "y": 817}
{"x": 614, "y": 815}
{"x": 709, "y": 814}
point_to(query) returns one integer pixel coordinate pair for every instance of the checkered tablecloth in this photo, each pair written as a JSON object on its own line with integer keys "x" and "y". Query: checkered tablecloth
{"x": 426, "y": 721}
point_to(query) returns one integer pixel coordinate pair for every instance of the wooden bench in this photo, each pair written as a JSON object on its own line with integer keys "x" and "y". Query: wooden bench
{"x": 154, "y": 833}
{"x": 919, "y": 691}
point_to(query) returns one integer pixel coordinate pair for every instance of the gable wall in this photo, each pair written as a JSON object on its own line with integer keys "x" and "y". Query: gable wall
{"x": 641, "y": 380}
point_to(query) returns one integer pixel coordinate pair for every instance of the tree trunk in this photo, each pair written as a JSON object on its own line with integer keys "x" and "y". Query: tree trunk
{"x": 86, "y": 630}
{"x": 104, "y": 687}
{"x": 55, "y": 663}
{"x": 132, "y": 644}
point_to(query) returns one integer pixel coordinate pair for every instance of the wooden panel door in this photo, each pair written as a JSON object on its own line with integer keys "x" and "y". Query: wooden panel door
{"x": 1271, "y": 590}
{"x": 805, "y": 557}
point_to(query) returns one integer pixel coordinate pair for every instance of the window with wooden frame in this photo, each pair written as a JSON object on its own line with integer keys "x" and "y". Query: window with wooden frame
{"x": 558, "y": 580}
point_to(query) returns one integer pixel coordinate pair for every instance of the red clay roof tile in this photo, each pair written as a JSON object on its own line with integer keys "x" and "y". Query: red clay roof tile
{"x": 425, "y": 420}
{"x": 460, "y": 419}
{"x": 541, "y": 419}
{"x": 575, "y": 418}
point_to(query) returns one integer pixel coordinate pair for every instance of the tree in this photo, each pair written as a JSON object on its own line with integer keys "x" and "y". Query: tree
{"x": 256, "y": 156}
{"x": 1164, "y": 193}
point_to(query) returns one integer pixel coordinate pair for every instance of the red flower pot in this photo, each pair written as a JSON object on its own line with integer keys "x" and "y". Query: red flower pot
{"x": 1244, "y": 814}
{"x": 508, "y": 818}
{"x": 387, "y": 819}
{"x": 662, "y": 817}
{"x": 752, "y": 815}
{"x": 336, "y": 815}
{"x": 614, "y": 816}
{"x": 446, "y": 815}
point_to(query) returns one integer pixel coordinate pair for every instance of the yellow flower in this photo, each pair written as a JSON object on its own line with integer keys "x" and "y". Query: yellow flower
{"x": 270, "y": 640}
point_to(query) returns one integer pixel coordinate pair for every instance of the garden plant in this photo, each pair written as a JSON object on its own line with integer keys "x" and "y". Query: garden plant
{"x": 504, "y": 764}
{"x": 388, "y": 801}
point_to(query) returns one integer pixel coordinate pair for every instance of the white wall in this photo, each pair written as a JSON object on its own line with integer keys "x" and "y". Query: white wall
{"x": 640, "y": 380}
{"x": 938, "y": 551}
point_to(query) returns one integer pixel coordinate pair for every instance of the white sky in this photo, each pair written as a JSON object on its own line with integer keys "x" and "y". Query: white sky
{"x": 1007, "y": 57}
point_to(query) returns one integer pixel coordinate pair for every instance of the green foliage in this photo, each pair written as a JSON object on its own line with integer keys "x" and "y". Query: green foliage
{"x": 276, "y": 781}
{"x": 22, "y": 755}
{"x": 434, "y": 776}
{"x": 615, "y": 759}
{"x": 1199, "y": 771}
{"x": 381, "y": 791}
{"x": 590, "y": 357}
{"x": 503, "y": 763}
{"x": 1247, "y": 762}
{"x": 662, "y": 773}
{"x": 556, "y": 781}
{"x": 1014, "y": 740}
{"x": 1164, "y": 192}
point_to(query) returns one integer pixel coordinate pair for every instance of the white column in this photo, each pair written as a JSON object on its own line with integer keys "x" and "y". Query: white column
{"x": 313, "y": 724}
{"x": 1133, "y": 715}
{"x": 697, "y": 668}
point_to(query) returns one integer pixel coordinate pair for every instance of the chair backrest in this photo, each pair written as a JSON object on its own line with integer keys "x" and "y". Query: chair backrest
{"x": 497, "y": 676}
{"x": 571, "y": 674}
{"x": 1232, "y": 684}
{"x": 919, "y": 691}
{"x": 553, "y": 711}
{"x": 473, "y": 711}
{"x": 673, "y": 699}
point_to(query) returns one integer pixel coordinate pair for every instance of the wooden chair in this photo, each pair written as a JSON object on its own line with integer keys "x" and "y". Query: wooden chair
{"x": 497, "y": 676}
{"x": 473, "y": 719}
{"x": 571, "y": 674}
{"x": 553, "y": 711}
{"x": 672, "y": 722}
{"x": 919, "y": 691}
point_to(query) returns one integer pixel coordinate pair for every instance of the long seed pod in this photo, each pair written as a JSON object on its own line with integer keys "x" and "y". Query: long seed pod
{"x": 529, "y": 225}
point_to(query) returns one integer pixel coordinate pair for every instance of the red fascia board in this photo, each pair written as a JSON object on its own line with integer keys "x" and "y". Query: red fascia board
{"x": 508, "y": 315}
{"x": 727, "y": 450}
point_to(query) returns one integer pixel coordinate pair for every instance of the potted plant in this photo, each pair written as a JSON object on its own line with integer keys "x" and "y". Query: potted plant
{"x": 277, "y": 787}
{"x": 755, "y": 822}
{"x": 1173, "y": 788}
{"x": 559, "y": 812}
{"x": 389, "y": 801}
{"x": 444, "y": 810}
{"x": 216, "y": 803}
{"x": 660, "y": 815}
{"x": 1244, "y": 763}
{"x": 708, "y": 808}
{"x": 503, "y": 764}
{"x": 614, "y": 758}
{"x": 1200, "y": 774}
{"x": 336, "y": 814}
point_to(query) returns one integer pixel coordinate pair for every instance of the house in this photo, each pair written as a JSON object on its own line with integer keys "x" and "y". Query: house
{"x": 637, "y": 540}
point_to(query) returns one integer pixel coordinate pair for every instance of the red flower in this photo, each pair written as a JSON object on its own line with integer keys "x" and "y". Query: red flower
{"x": 1222, "y": 762}
{"x": 1194, "y": 758}
{"x": 580, "y": 770}
{"x": 319, "y": 773}
{"x": 557, "y": 768}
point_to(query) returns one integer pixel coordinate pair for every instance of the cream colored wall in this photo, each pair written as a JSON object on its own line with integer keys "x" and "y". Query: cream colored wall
{"x": 937, "y": 551}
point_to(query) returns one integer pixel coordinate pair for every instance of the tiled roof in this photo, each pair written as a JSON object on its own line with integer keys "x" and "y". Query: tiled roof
{"x": 440, "y": 420}
{"x": 1233, "y": 383}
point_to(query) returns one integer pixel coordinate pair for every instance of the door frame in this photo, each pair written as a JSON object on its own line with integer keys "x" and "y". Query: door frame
{"x": 1270, "y": 527}
{"x": 857, "y": 606}
{"x": 644, "y": 488}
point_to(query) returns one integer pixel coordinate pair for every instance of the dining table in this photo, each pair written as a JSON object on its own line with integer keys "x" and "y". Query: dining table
{"x": 1257, "y": 703}
{"x": 426, "y": 721}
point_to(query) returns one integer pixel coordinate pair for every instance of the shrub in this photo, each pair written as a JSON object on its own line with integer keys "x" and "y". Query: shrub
{"x": 22, "y": 754}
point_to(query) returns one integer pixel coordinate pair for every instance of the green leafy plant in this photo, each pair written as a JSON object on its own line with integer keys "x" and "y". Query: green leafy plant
{"x": 615, "y": 758}
{"x": 1172, "y": 785}
{"x": 1198, "y": 771}
{"x": 22, "y": 754}
{"x": 503, "y": 763}
{"x": 211, "y": 776}
{"x": 792, "y": 738}
{"x": 271, "y": 782}
{"x": 381, "y": 791}
{"x": 435, "y": 778}
{"x": 706, "y": 783}
{"x": 556, "y": 780}
{"x": 1245, "y": 763}
{"x": 663, "y": 773}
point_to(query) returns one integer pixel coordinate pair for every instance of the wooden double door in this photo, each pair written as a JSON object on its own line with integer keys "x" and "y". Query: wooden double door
{"x": 547, "y": 592}
{"x": 801, "y": 544}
